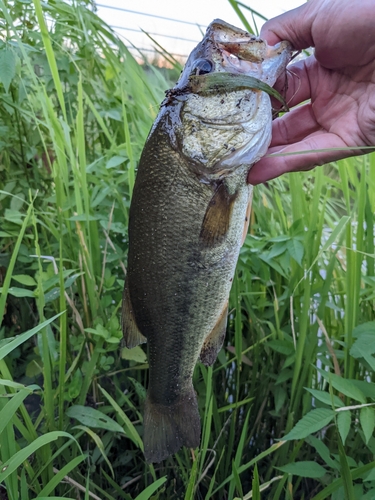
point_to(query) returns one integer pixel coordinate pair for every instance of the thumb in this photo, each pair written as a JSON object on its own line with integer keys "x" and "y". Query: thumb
{"x": 294, "y": 26}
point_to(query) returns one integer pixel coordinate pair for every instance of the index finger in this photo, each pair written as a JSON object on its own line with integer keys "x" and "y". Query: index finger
{"x": 294, "y": 26}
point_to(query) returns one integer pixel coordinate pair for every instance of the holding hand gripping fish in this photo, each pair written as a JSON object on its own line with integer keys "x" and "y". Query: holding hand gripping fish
{"x": 188, "y": 219}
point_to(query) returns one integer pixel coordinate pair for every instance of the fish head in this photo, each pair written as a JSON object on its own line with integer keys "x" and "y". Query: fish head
{"x": 221, "y": 131}
{"x": 228, "y": 49}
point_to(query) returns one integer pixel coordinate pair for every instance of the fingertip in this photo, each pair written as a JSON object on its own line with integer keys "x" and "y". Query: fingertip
{"x": 264, "y": 170}
{"x": 294, "y": 26}
{"x": 269, "y": 36}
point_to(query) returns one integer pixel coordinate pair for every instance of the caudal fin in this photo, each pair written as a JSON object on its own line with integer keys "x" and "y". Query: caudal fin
{"x": 167, "y": 428}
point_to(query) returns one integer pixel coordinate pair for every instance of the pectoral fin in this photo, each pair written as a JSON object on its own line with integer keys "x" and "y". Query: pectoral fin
{"x": 132, "y": 335}
{"x": 247, "y": 217}
{"x": 214, "y": 341}
{"x": 217, "y": 217}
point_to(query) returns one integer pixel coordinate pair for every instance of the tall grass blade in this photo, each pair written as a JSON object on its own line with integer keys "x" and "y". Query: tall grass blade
{"x": 8, "y": 276}
{"x": 18, "y": 458}
{"x": 49, "y": 488}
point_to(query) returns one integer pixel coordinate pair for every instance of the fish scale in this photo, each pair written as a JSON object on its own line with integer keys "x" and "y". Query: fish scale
{"x": 188, "y": 217}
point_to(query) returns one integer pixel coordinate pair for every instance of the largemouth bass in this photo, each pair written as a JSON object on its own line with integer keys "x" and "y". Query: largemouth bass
{"x": 188, "y": 218}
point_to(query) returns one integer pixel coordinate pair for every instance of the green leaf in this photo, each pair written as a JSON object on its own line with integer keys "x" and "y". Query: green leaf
{"x": 304, "y": 469}
{"x": 129, "y": 427}
{"x": 367, "y": 419}
{"x": 24, "y": 279}
{"x": 284, "y": 375}
{"x": 150, "y": 490}
{"x": 255, "y": 484}
{"x": 310, "y": 423}
{"x": 93, "y": 418}
{"x": 189, "y": 495}
{"x": 14, "y": 216}
{"x": 367, "y": 388}
{"x": 6, "y": 349}
{"x": 296, "y": 250}
{"x": 53, "y": 294}
{"x": 365, "y": 328}
{"x": 115, "y": 161}
{"x": 325, "y": 397}
{"x": 345, "y": 472}
{"x": 19, "y": 292}
{"x": 272, "y": 263}
{"x": 343, "y": 423}
{"x": 344, "y": 386}
{"x": 59, "y": 477}
{"x": 136, "y": 354}
{"x": 281, "y": 346}
{"x": 323, "y": 451}
{"x": 7, "y": 67}
{"x": 236, "y": 480}
{"x": 99, "y": 330}
{"x": 277, "y": 250}
{"x": 16, "y": 385}
{"x": 370, "y": 477}
{"x": 99, "y": 444}
{"x": 364, "y": 346}
{"x": 16, "y": 460}
{"x": 336, "y": 232}
{"x": 139, "y": 388}
{"x": 347, "y": 388}
{"x": 9, "y": 410}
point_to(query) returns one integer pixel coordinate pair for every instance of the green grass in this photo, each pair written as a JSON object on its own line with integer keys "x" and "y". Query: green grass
{"x": 287, "y": 410}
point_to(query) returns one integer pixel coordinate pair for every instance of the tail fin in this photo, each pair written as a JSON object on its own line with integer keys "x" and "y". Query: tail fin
{"x": 167, "y": 428}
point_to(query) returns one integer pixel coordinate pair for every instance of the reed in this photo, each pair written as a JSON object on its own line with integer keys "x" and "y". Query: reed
{"x": 288, "y": 408}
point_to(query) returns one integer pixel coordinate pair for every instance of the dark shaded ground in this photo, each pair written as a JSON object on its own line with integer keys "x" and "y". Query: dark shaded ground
{"x": 3, "y": 494}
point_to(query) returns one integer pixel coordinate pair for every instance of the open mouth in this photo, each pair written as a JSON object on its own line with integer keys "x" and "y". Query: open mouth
{"x": 250, "y": 51}
{"x": 237, "y": 63}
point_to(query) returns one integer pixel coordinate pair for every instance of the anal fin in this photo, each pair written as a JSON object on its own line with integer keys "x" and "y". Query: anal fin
{"x": 130, "y": 330}
{"x": 214, "y": 341}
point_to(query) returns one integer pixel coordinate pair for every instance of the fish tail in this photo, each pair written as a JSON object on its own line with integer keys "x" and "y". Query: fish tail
{"x": 168, "y": 427}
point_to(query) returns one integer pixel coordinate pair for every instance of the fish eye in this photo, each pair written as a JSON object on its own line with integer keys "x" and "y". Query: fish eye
{"x": 202, "y": 67}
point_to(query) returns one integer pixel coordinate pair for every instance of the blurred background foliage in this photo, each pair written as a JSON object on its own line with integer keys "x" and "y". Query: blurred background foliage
{"x": 297, "y": 364}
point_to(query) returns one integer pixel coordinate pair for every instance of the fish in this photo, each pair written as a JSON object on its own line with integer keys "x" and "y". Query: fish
{"x": 188, "y": 218}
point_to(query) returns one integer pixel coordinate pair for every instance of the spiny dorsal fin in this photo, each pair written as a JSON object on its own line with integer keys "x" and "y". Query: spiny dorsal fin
{"x": 217, "y": 217}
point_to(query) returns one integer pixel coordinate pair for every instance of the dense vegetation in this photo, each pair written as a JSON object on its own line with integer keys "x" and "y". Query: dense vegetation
{"x": 287, "y": 409}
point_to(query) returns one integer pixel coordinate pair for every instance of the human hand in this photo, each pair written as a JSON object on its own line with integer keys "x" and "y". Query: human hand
{"x": 339, "y": 79}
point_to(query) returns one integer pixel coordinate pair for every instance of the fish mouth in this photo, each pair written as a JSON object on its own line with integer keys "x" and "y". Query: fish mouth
{"x": 243, "y": 57}
{"x": 228, "y": 49}
{"x": 238, "y": 52}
